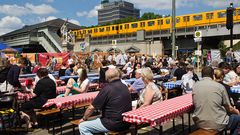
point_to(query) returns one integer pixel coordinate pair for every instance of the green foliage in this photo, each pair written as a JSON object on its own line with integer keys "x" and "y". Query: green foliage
{"x": 150, "y": 15}
{"x": 236, "y": 47}
{"x": 223, "y": 48}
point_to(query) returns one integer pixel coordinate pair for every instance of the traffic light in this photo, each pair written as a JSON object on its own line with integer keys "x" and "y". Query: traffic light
{"x": 229, "y": 23}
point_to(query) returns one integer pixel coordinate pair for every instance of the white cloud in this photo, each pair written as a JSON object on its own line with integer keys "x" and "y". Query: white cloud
{"x": 10, "y": 23}
{"x": 74, "y": 21}
{"x": 40, "y": 9}
{"x": 80, "y": 14}
{"x": 41, "y": 19}
{"x": 13, "y": 10}
{"x": 16, "y": 10}
{"x": 90, "y": 14}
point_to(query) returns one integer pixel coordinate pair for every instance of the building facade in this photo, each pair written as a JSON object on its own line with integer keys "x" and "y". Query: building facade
{"x": 116, "y": 10}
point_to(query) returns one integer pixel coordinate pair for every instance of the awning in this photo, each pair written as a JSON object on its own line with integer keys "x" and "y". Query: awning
{"x": 112, "y": 50}
{"x": 3, "y": 46}
{"x": 97, "y": 50}
{"x": 132, "y": 49}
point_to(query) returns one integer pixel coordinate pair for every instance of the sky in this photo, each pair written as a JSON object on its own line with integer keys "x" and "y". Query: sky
{"x": 14, "y": 14}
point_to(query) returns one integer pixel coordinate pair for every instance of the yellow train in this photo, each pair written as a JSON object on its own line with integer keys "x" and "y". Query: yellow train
{"x": 190, "y": 20}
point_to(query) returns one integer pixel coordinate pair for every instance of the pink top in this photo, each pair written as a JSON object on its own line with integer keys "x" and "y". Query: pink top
{"x": 160, "y": 112}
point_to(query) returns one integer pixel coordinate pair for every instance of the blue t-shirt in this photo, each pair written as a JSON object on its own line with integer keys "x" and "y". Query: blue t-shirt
{"x": 68, "y": 72}
{"x": 138, "y": 85}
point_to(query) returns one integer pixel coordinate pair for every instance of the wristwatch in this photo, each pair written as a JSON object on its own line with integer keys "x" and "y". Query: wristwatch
{"x": 84, "y": 118}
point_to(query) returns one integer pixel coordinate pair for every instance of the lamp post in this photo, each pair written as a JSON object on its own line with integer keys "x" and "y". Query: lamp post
{"x": 173, "y": 28}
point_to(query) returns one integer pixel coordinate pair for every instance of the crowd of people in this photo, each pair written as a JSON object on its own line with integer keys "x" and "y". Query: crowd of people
{"x": 215, "y": 106}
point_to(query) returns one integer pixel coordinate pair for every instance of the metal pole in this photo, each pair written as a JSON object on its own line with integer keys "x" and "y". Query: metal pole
{"x": 231, "y": 40}
{"x": 173, "y": 28}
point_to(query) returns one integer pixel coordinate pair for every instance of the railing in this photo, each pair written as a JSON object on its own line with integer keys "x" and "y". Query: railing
{"x": 54, "y": 47}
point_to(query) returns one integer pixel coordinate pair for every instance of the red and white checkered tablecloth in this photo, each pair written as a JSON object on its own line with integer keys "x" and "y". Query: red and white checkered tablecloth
{"x": 24, "y": 96}
{"x": 160, "y": 112}
{"x": 69, "y": 101}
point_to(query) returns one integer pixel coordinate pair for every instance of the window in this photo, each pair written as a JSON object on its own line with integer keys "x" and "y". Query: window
{"x": 126, "y": 26}
{"x": 239, "y": 12}
{"x": 117, "y": 28}
{"x": 168, "y": 21}
{"x": 197, "y": 17}
{"x": 113, "y": 28}
{"x": 221, "y": 14}
{"x": 209, "y": 16}
{"x": 101, "y": 29}
{"x": 160, "y": 22}
{"x": 186, "y": 19}
{"x": 134, "y": 25}
{"x": 151, "y": 23}
{"x": 108, "y": 29}
{"x": 89, "y": 31}
{"x": 120, "y": 27}
{"x": 142, "y": 24}
{"x": 84, "y": 31}
{"x": 177, "y": 19}
{"x": 95, "y": 30}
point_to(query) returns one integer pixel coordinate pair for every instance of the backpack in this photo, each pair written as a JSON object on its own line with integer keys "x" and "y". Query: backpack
{"x": 187, "y": 83}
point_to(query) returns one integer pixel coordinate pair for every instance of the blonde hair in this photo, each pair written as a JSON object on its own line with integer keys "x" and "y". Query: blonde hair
{"x": 218, "y": 74}
{"x": 147, "y": 74}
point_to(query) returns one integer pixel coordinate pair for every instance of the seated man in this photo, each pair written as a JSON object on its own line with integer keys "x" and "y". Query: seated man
{"x": 138, "y": 84}
{"x": 113, "y": 100}
{"x": 212, "y": 105}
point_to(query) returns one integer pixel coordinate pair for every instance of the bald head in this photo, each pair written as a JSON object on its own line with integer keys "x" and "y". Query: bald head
{"x": 112, "y": 74}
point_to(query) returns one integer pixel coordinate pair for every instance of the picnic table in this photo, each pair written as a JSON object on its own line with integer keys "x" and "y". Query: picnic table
{"x": 62, "y": 89}
{"x": 172, "y": 84}
{"x": 55, "y": 74}
{"x": 160, "y": 112}
{"x": 69, "y": 101}
{"x": 235, "y": 89}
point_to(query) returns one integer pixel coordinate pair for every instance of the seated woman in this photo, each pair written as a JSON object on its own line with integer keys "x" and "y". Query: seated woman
{"x": 45, "y": 89}
{"x": 81, "y": 86}
{"x": 151, "y": 93}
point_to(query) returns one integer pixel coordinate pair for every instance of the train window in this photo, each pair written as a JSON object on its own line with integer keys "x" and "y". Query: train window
{"x": 126, "y": 26}
{"x": 108, "y": 29}
{"x": 95, "y": 30}
{"x": 209, "y": 16}
{"x": 120, "y": 27}
{"x": 160, "y": 22}
{"x": 84, "y": 31}
{"x": 186, "y": 18}
{"x": 197, "y": 17}
{"x": 177, "y": 19}
{"x": 151, "y": 23}
{"x": 142, "y": 24}
{"x": 117, "y": 27}
{"x": 221, "y": 14}
{"x": 134, "y": 25}
{"x": 168, "y": 21}
{"x": 239, "y": 12}
{"x": 113, "y": 28}
{"x": 101, "y": 29}
{"x": 89, "y": 31}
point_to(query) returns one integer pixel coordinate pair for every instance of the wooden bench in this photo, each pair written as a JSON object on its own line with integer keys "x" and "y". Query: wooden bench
{"x": 77, "y": 122}
{"x": 205, "y": 132}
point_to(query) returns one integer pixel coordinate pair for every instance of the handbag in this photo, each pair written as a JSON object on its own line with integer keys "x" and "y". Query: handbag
{"x": 5, "y": 87}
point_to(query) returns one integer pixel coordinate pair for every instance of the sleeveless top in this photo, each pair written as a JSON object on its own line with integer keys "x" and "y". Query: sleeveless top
{"x": 156, "y": 97}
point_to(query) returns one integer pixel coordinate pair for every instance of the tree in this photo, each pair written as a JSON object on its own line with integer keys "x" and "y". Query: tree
{"x": 223, "y": 48}
{"x": 150, "y": 15}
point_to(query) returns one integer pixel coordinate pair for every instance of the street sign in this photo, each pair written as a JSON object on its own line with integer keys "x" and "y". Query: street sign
{"x": 114, "y": 42}
{"x": 198, "y": 34}
{"x": 198, "y": 39}
{"x": 198, "y": 52}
